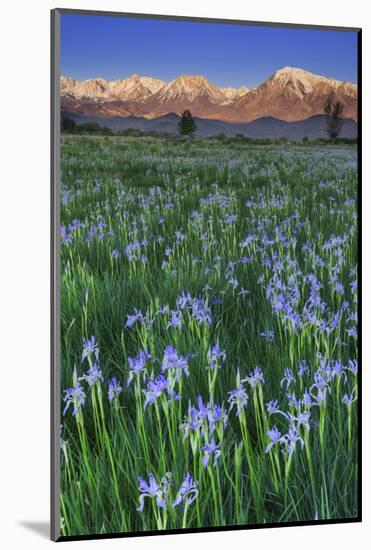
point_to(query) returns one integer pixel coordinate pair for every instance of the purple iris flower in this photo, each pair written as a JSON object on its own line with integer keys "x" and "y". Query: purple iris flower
{"x": 74, "y": 396}
{"x": 206, "y": 416}
{"x": 174, "y": 363}
{"x": 137, "y": 365}
{"x": 187, "y": 493}
{"x": 274, "y": 438}
{"x": 321, "y": 395}
{"x": 132, "y": 319}
{"x": 303, "y": 368}
{"x": 352, "y": 331}
{"x": 210, "y": 450}
{"x": 338, "y": 369}
{"x": 155, "y": 388}
{"x": 175, "y": 319}
{"x": 233, "y": 282}
{"x": 201, "y": 311}
{"x": 320, "y": 381}
{"x": 339, "y": 288}
{"x": 184, "y": 300}
{"x": 353, "y": 366}
{"x": 65, "y": 237}
{"x": 152, "y": 489}
{"x": 217, "y": 414}
{"x": 203, "y": 410}
{"x": 272, "y": 406}
{"x": 93, "y": 375}
{"x": 307, "y": 399}
{"x": 303, "y": 419}
{"x": 191, "y": 422}
{"x": 268, "y": 335}
{"x": 255, "y": 377}
{"x": 243, "y": 292}
{"x": 291, "y": 439}
{"x": 90, "y": 348}
{"x": 131, "y": 250}
{"x": 348, "y": 399}
{"x": 293, "y": 400}
{"x": 114, "y": 389}
{"x": 215, "y": 356}
{"x": 238, "y": 398}
{"x": 280, "y": 303}
{"x": 162, "y": 310}
{"x": 180, "y": 236}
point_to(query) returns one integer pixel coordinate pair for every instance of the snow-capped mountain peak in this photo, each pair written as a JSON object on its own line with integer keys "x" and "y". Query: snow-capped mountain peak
{"x": 191, "y": 87}
{"x": 288, "y": 94}
{"x": 304, "y": 81}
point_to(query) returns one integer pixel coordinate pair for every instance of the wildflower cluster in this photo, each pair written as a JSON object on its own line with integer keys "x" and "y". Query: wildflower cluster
{"x": 220, "y": 282}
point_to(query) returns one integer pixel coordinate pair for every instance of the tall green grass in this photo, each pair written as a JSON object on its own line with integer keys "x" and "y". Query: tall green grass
{"x": 293, "y": 202}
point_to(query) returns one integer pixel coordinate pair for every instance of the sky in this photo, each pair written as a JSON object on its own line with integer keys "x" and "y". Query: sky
{"x": 227, "y": 55}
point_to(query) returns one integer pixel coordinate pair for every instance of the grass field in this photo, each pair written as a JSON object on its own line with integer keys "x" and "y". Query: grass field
{"x": 208, "y": 333}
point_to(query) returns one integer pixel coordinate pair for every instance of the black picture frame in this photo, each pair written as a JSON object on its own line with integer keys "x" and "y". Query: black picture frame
{"x": 55, "y": 272}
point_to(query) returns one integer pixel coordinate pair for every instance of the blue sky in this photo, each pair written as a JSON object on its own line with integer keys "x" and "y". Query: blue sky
{"x": 228, "y": 55}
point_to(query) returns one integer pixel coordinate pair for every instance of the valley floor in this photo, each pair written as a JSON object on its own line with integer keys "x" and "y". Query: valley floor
{"x": 208, "y": 334}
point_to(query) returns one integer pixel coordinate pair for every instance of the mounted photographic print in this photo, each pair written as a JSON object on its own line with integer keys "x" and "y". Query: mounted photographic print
{"x": 205, "y": 274}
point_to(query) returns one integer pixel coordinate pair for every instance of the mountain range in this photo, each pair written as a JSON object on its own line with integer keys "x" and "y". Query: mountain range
{"x": 290, "y": 94}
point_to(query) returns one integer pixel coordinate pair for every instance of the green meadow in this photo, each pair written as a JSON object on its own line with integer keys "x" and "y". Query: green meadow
{"x": 208, "y": 333}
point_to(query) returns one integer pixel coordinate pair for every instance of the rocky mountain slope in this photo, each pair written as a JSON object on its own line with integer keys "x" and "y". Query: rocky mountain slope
{"x": 289, "y": 94}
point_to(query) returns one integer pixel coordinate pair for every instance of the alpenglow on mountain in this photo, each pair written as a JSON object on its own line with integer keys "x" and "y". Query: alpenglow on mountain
{"x": 290, "y": 94}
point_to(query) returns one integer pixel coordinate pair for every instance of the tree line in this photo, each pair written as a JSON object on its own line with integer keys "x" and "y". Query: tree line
{"x": 69, "y": 126}
{"x": 187, "y": 125}
{"x": 332, "y": 109}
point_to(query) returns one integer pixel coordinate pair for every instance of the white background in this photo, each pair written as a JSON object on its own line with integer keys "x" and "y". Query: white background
{"x": 24, "y": 270}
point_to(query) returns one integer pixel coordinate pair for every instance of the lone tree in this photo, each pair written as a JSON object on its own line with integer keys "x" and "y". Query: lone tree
{"x": 187, "y": 125}
{"x": 334, "y": 119}
{"x": 68, "y": 125}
